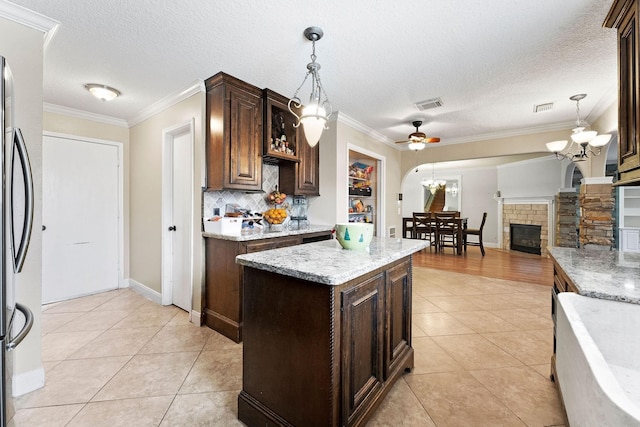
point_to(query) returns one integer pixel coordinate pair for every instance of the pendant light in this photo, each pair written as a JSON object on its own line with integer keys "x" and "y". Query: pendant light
{"x": 316, "y": 113}
{"x": 581, "y": 137}
{"x": 433, "y": 184}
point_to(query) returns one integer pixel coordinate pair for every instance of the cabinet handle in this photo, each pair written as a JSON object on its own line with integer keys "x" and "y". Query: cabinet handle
{"x": 172, "y": 228}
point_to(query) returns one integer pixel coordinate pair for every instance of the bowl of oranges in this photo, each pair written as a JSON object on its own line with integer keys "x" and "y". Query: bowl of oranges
{"x": 276, "y": 218}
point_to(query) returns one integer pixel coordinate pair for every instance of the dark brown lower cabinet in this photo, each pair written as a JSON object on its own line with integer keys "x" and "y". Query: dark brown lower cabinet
{"x": 223, "y": 290}
{"x": 321, "y": 355}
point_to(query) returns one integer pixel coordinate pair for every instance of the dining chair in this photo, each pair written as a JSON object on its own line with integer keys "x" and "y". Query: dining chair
{"x": 474, "y": 232}
{"x": 447, "y": 231}
{"x": 423, "y": 227}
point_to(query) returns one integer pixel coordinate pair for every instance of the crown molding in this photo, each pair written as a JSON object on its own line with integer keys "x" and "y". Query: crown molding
{"x": 80, "y": 114}
{"x": 353, "y": 123}
{"x": 167, "y": 102}
{"x": 31, "y": 19}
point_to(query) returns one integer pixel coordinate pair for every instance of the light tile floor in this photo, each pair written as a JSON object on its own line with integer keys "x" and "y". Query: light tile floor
{"x": 482, "y": 350}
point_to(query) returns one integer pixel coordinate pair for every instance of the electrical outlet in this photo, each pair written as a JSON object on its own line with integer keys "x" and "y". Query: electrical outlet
{"x": 216, "y": 211}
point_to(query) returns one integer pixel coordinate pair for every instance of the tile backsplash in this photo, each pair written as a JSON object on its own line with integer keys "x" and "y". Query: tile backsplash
{"x": 252, "y": 201}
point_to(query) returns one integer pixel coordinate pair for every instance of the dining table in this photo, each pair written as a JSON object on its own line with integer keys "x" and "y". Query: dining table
{"x": 461, "y": 225}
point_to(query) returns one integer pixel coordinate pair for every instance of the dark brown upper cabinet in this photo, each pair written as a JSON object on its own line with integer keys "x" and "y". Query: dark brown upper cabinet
{"x": 623, "y": 16}
{"x": 234, "y": 134}
{"x": 281, "y": 138}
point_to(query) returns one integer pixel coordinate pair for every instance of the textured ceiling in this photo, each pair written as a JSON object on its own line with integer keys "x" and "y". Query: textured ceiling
{"x": 489, "y": 61}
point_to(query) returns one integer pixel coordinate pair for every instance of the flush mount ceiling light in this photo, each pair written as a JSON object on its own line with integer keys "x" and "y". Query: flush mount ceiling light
{"x": 316, "y": 113}
{"x": 433, "y": 184}
{"x": 581, "y": 137}
{"x": 102, "y": 92}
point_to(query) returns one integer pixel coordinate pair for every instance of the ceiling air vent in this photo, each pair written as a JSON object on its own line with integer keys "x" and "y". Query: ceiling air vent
{"x": 542, "y": 107}
{"x": 428, "y": 104}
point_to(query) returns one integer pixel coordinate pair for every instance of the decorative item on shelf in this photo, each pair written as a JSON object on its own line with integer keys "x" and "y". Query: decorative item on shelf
{"x": 316, "y": 113}
{"x": 433, "y": 184}
{"x": 279, "y": 141}
{"x": 581, "y": 137}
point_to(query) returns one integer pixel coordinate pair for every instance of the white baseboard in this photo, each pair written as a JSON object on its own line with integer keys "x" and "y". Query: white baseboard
{"x": 196, "y": 318}
{"x": 27, "y": 382}
{"x": 124, "y": 283}
{"x": 145, "y": 291}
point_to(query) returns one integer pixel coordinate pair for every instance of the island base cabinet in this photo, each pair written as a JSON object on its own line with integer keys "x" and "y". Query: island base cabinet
{"x": 322, "y": 355}
{"x": 223, "y": 291}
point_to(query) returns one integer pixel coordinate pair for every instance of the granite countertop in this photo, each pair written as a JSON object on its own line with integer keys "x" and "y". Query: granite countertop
{"x": 265, "y": 234}
{"x": 327, "y": 262}
{"x": 600, "y": 273}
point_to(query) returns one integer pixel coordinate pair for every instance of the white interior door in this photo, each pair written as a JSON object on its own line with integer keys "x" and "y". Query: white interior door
{"x": 177, "y": 282}
{"x": 80, "y": 215}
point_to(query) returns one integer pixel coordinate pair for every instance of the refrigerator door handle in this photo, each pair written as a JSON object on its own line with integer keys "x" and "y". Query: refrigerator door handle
{"x": 21, "y": 253}
{"x": 28, "y": 323}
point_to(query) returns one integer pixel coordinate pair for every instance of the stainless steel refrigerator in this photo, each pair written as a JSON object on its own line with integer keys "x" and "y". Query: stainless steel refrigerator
{"x": 16, "y": 202}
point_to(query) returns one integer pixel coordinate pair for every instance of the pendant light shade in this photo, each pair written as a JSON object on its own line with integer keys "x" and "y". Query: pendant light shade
{"x": 313, "y": 122}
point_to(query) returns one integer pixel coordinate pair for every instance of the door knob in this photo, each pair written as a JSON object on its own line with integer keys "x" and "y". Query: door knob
{"x": 172, "y": 228}
{"x": 44, "y": 227}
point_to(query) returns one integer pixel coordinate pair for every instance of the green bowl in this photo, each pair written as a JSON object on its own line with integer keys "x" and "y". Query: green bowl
{"x": 354, "y": 235}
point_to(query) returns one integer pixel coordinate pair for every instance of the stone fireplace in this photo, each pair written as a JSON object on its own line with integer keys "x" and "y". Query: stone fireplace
{"x": 527, "y": 212}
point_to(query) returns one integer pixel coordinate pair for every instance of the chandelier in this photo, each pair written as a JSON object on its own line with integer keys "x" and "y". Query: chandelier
{"x": 433, "y": 184}
{"x": 315, "y": 114}
{"x": 582, "y": 138}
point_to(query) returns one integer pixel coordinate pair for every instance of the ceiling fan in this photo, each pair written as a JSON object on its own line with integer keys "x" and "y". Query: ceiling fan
{"x": 417, "y": 139}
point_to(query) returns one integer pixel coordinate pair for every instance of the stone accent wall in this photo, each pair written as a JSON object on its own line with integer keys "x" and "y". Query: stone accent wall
{"x": 596, "y": 214}
{"x": 567, "y": 219}
{"x": 536, "y": 214}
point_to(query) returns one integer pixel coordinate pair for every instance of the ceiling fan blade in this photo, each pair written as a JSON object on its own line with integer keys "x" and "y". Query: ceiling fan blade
{"x": 432, "y": 140}
{"x": 402, "y": 142}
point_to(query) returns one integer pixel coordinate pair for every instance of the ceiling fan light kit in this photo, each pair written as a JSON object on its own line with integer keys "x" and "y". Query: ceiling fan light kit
{"x": 418, "y": 140}
{"x": 315, "y": 115}
{"x": 581, "y": 137}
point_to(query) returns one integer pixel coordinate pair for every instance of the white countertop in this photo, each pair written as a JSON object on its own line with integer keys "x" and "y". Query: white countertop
{"x": 265, "y": 234}
{"x": 605, "y": 274}
{"x": 328, "y": 263}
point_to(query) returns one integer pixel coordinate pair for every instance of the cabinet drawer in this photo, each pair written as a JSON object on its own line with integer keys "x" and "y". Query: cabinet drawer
{"x": 281, "y": 242}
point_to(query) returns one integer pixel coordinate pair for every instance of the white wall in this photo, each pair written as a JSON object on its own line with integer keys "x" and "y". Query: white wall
{"x": 531, "y": 178}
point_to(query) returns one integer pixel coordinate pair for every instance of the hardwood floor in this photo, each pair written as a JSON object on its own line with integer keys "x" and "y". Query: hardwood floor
{"x": 498, "y": 263}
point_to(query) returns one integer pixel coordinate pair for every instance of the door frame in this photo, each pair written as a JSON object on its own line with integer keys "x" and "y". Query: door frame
{"x": 381, "y": 164}
{"x": 122, "y": 282}
{"x": 168, "y": 136}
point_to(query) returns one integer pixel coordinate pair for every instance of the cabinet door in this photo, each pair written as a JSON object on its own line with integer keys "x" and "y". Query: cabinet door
{"x": 302, "y": 178}
{"x": 244, "y": 140}
{"x": 625, "y": 19}
{"x": 362, "y": 346}
{"x": 398, "y": 316}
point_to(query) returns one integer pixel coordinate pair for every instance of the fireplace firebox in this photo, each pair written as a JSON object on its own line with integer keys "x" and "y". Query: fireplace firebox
{"x": 525, "y": 238}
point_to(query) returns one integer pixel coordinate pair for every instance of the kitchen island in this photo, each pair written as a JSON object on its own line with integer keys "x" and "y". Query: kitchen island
{"x": 597, "y": 273}
{"x": 327, "y": 331}
{"x": 223, "y": 291}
